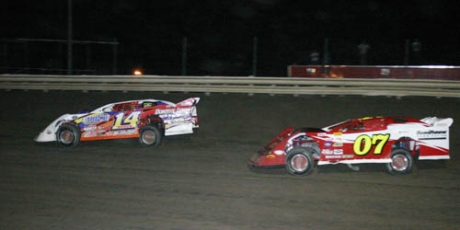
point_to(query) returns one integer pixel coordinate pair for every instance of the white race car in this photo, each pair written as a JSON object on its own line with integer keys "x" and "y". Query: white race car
{"x": 147, "y": 119}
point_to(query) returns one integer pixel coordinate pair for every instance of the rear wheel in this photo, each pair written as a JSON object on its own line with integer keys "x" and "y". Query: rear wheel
{"x": 68, "y": 135}
{"x": 149, "y": 136}
{"x": 401, "y": 162}
{"x": 299, "y": 161}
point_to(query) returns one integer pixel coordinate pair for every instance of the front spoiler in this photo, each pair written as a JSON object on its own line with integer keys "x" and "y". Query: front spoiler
{"x": 258, "y": 161}
{"x": 254, "y": 166}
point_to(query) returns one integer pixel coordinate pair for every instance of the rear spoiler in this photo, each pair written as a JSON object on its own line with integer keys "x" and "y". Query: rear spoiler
{"x": 435, "y": 121}
{"x": 189, "y": 102}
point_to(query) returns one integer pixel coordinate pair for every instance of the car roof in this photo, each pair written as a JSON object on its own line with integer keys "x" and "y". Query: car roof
{"x": 374, "y": 120}
{"x": 140, "y": 101}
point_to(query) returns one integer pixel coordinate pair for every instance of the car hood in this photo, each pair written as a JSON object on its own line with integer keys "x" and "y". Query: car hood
{"x": 49, "y": 133}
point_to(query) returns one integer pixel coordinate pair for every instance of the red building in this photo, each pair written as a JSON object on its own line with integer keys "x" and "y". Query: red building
{"x": 405, "y": 72}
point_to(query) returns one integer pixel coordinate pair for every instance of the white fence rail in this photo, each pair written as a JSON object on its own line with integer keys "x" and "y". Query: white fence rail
{"x": 250, "y": 85}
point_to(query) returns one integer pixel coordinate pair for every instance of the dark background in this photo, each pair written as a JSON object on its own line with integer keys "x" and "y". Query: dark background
{"x": 220, "y": 34}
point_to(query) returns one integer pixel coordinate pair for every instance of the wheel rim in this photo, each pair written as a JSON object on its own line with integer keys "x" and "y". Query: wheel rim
{"x": 66, "y": 137}
{"x": 149, "y": 137}
{"x": 399, "y": 163}
{"x": 299, "y": 163}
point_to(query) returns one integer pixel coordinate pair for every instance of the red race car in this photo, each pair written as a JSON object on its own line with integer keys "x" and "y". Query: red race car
{"x": 393, "y": 141}
{"x": 147, "y": 119}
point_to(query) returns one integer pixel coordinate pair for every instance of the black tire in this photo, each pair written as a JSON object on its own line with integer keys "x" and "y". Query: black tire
{"x": 68, "y": 135}
{"x": 401, "y": 162}
{"x": 300, "y": 161}
{"x": 149, "y": 136}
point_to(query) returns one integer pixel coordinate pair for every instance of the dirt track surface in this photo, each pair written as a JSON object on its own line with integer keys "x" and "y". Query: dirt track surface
{"x": 202, "y": 182}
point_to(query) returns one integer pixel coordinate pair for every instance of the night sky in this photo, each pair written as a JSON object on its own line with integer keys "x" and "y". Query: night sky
{"x": 221, "y": 34}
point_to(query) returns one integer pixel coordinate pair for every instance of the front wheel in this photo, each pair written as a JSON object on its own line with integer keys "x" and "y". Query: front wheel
{"x": 68, "y": 135}
{"x": 401, "y": 162}
{"x": 149, "y": 136}
{"x": 299, "y": 161}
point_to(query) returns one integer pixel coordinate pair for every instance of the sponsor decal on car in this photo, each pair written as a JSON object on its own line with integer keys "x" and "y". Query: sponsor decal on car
{"x": 432, "y": 135}
{"x": 338, "y": 144}
{"x": 96, "y": 118}
{"x": 333, "y": 156}
{"x": 327, "y": 151}
{"x": 338, "y": 151}
{"x": 121, "y": 132}
{"x": 177, "y": 110}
